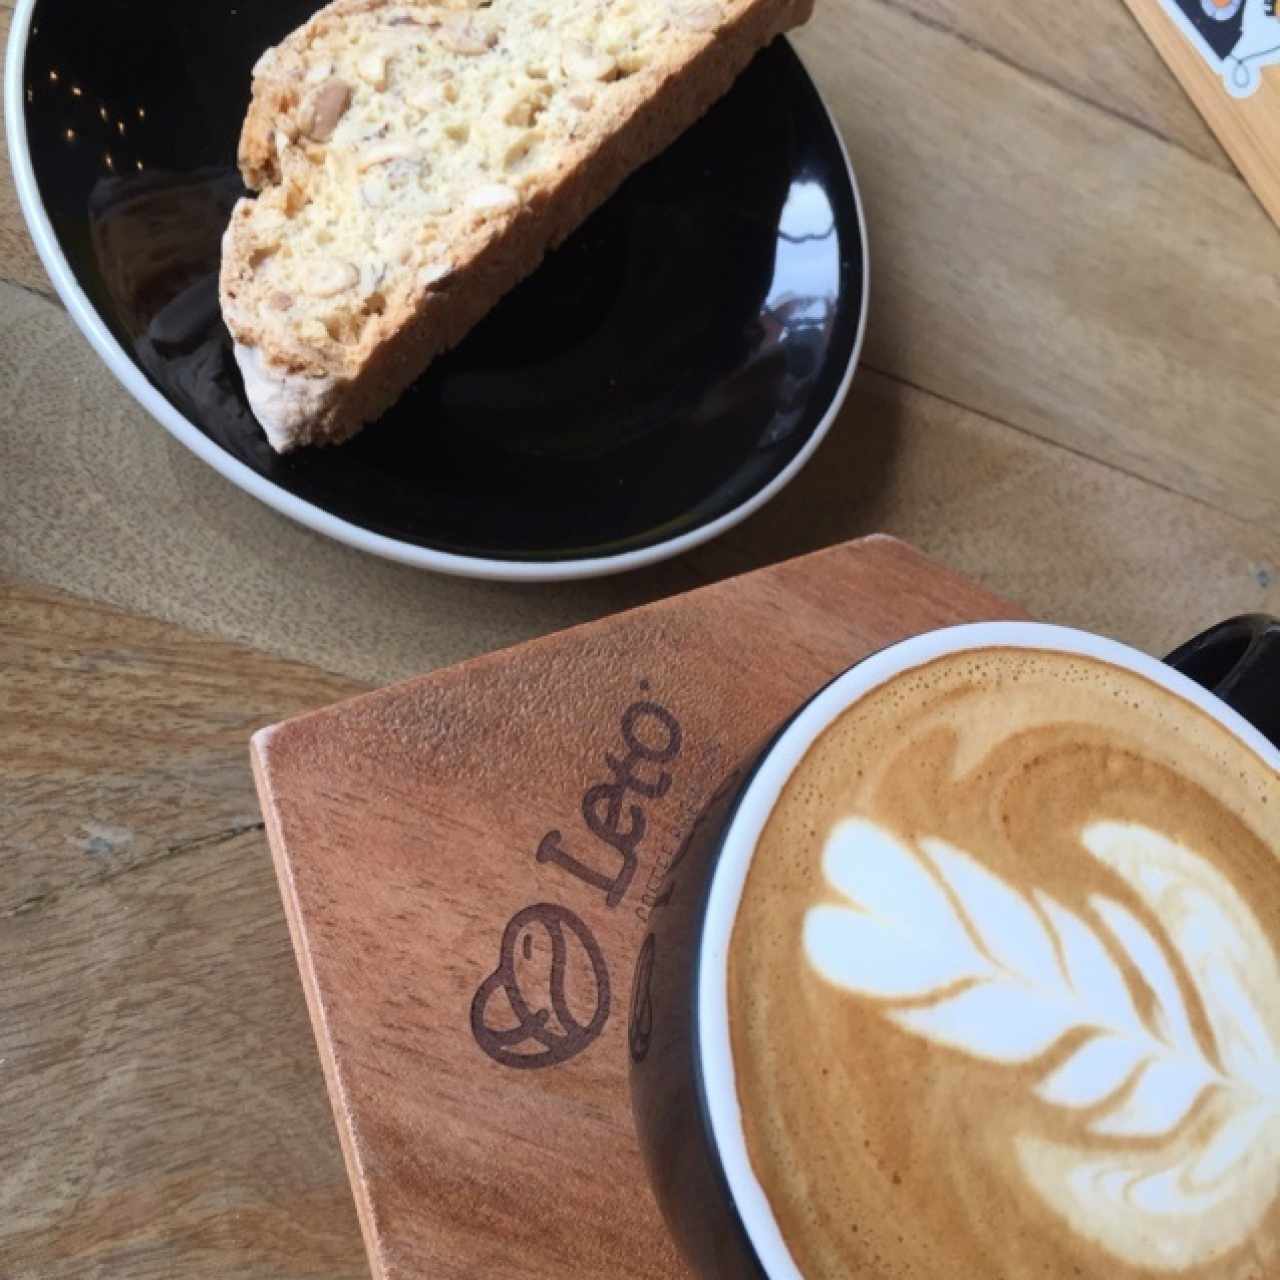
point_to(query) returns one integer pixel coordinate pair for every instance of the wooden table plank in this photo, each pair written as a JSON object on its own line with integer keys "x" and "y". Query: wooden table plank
{"x": 163, "y": 1110}
{"x": 1087, "y": 50}
{"x": 19, "y": 262}
{"x": 99, "y": 500}
{"x": 95, "y": 498}
{"x": 1054, "y": 267}
{"x": 123, "y": 742}
{"x": 1070, "y": 539}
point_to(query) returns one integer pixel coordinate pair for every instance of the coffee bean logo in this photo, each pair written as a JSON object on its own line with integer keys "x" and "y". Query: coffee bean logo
{"x": 640, "y": 1026}
{"x": 521, "y": 1015}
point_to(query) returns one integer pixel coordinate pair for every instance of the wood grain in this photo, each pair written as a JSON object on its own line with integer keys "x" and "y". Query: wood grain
{"x": 1052, "y": 266}
{"x": 161, "y": 1109}
{"x": 1109, "y": 69}
{"x": 19, "y": 262}
{"x": 1073, "y": 540}
{"x": 1249, "y": 128}
{"x": 405, "y": 827}
{"x": 99, "y": 501}
{"x": 121, "y": 754}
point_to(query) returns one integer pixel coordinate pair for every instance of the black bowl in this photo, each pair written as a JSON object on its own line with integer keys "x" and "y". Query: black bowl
{"x": 659, "y": 377}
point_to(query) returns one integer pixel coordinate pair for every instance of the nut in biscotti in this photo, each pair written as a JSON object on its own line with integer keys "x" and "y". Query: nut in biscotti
{"x": 415, "y": 160}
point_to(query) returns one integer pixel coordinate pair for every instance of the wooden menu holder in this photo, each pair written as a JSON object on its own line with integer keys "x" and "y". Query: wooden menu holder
{"x": 467, "y": 862}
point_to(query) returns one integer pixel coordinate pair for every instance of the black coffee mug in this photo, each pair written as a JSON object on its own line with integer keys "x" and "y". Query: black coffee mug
{"x": 681, "y": 1073}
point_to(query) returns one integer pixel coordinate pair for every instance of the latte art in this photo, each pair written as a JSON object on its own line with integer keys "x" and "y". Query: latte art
{"x": 1004, "y": 986}
{"x": 1008, "y": 978}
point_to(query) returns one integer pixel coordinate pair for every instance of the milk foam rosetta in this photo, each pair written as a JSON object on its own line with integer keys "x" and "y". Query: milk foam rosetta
{"x": 1004, "y": 986}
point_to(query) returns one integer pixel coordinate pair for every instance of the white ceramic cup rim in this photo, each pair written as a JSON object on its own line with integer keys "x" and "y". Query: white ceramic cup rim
{"x": 135, "y": 382}
{"x": 713, "y": 1050}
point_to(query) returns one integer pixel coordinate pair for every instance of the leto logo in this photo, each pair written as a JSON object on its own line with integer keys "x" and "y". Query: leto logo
{"x": 1236, "y": 37}
{"x": 549, "y": 996}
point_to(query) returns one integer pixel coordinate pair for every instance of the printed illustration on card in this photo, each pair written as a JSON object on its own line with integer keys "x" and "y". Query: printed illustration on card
{"x": 1238, "y": 38}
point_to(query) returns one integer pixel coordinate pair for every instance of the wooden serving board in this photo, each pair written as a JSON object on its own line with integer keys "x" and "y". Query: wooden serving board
{"x": 467, "y": 862}
{"x": 1241, "y": 47}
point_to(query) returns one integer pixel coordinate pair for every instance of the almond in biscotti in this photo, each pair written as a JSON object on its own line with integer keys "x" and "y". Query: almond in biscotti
{"x": 414, "y": 160}
{"x": 324, "y": 107}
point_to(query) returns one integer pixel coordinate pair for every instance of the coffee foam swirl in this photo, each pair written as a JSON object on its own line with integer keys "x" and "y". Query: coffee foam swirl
{"x": 1001, "y": 998}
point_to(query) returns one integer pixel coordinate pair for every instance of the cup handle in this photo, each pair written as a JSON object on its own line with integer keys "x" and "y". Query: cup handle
{"x": 1239, "y": 660}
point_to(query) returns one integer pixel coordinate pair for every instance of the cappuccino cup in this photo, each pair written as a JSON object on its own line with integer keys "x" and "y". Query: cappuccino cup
{"x": 974, "y": 972}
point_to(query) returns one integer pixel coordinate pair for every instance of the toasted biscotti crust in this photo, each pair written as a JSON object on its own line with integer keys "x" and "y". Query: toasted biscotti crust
{"x": 316, "y": 377}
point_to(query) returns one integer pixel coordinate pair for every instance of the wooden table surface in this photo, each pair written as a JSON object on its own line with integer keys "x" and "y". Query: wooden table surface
{"x": 1070, "y": 392}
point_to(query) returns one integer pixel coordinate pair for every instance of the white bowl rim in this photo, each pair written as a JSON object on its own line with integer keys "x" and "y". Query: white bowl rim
{"x": 91, "y": 324}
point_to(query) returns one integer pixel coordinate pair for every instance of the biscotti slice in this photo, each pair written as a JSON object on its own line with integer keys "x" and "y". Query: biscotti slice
{"x": 416, "y": 160}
